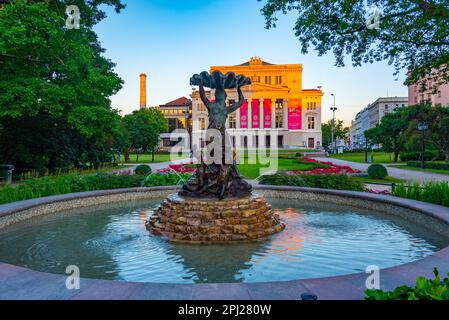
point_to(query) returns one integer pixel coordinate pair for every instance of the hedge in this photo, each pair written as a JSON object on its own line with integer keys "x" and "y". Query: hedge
{"x": 324, "y": 181}
{"x": 429, "y": 165}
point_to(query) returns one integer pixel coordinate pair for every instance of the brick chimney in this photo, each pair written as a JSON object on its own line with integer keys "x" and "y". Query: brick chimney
{"x": 143, "y": 91}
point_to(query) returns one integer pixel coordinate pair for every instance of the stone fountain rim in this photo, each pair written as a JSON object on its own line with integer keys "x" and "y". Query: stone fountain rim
{"x": 334, "y": 288}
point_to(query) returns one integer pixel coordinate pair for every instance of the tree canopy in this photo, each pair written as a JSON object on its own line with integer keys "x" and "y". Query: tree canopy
{"x": 55, "y": 86}
{"x": 340, "y": 132}
{"x": 144, "y": 128}
{"x": 412, "y": 35}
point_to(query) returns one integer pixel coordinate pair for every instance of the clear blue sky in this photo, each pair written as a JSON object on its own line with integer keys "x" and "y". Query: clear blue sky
{"x": 170, "y": 40}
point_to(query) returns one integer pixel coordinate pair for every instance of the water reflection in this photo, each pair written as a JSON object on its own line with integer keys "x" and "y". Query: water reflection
{"x": 111, "y": 242}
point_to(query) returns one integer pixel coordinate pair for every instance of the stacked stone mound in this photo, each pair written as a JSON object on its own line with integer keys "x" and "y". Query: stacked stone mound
{"x": 210, "y": 221}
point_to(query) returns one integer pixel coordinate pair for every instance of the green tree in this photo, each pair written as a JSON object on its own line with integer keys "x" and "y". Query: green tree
{"x": 412, "y": 34}
{"x": 390, "y": 132}
{"x": 144, "y": 128}
{"x": 437, "y": 119}
{"x": 55, "y": 86}
{"x": 340, "y": 132}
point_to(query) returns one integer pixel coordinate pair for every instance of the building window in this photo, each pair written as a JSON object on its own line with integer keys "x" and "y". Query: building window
{"x": 267, "y": 79}
{"x": 279, "y": 122}
{"x": 202, "y": 124}
{"x": 279, "y": 104}
{"x": 439, "y": 93}
{"x": 311, "y": 123}
{"x": 232, "y": 122}
{"x": 311, "y": 105}
{"x": 278, "y": 80}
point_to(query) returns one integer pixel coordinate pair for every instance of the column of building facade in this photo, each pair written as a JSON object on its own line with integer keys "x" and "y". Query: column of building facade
{"x": 285, "y": 121}
{"x": 273, "y": 113}
{"x": 237, "y": 119}
{"x": 261, "y": 114}
{"x": 250, "y": 114}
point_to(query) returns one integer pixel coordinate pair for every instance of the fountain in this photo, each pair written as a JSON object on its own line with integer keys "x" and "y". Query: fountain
{"x": 216, "y": 205}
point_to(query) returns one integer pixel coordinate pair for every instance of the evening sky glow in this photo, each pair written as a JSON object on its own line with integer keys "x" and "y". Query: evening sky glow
{"x": 172, "y": 40}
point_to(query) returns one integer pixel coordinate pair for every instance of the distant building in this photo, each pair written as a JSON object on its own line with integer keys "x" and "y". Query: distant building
{"x": 179, "y": 116}
{"x": 371, "y": 116}
{"x": 432, "y": 93}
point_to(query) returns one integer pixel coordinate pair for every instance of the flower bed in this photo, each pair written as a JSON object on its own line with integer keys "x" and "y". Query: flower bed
{"x": 333, "y": 168}
{"x": 180, "y": 168}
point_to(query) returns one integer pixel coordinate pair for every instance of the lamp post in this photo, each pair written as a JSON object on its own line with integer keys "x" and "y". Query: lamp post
{"x": 333, "y": 109}
{"x": 422, "y": 127}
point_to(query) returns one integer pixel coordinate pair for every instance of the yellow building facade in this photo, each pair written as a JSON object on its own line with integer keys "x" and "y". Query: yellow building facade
{"x": 276, "y": 105}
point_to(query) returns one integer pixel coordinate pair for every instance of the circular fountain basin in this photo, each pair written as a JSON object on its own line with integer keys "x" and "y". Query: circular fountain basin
{"x": 328, "y": 234}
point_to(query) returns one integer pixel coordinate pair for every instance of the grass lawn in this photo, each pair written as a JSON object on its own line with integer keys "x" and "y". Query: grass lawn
{"x": 158, "y": 158}
{"x": 405, "y": 167}
{"x": 378, "y": 157}
{"x": 387, "y": 180}
{"x": 252, "y": 171}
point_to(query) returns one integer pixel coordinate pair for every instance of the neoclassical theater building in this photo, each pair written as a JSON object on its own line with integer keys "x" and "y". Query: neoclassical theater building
{"x": 276, "y": 107}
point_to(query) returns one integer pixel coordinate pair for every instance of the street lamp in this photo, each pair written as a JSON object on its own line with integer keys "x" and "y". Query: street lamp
{"x": 422, "y": 127}
{"x": 333, "y": 109}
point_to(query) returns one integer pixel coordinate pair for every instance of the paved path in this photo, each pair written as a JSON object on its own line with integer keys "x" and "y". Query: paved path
{"x": 408, "y": 175}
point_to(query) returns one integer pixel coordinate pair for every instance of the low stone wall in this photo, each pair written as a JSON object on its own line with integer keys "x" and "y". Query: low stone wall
{"x": 21, "y": 283}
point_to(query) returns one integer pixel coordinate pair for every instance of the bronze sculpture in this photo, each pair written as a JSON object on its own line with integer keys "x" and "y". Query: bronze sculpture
{"x": 218, "y": 178}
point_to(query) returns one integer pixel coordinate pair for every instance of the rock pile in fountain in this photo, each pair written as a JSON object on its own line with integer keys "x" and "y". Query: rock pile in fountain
{"x": 211, "y": 221}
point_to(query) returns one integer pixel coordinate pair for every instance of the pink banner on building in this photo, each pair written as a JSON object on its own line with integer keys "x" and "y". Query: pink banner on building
{"x": 295, "y": 114}
{"x": 244, "y": 116}
{"x": 255, "y": 109}
{"x": 267, "y": 113}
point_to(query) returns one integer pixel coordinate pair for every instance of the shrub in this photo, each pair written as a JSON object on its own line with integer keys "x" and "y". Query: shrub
{"x": 143, "y": 169}
{"x": 166, "y": 179}
{"x": 377, "y": 171}
{"x": 429, "y": 165}
{"x": 425, "y": 289}
{"x": 54, "y": 185}
{"x": 324, "y": 181}
{"x": 416, "y": 155}
{"x": 433, "y": 192}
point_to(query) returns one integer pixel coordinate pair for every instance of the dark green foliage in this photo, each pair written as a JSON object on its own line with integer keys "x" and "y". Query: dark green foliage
{"x": 143, "y": 169}
{"x": 377, "y": 171}
{"x": 72, "y": 183}
{"x": 54, "y": 185}
{"x": 324, "y": 181}
{"x": 340, "y": 132}
{"x": 425, "y": 289}
{"x": 433, "y": 192}
{"x": 55, "y": 86}
{"x": 429, "y": 165}
{"x": 412, "y": 35}
{"x": 416, "y": 155}
{"x": 166, "y": 179}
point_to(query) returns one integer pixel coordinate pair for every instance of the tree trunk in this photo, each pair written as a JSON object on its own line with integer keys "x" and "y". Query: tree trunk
{"x": 396, "y": 156}
{"x": 137, "y": 157}
{"x": 127, "y": 157}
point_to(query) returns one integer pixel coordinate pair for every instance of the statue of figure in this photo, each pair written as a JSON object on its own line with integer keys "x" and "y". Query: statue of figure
{"x": 219, "y": 179}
